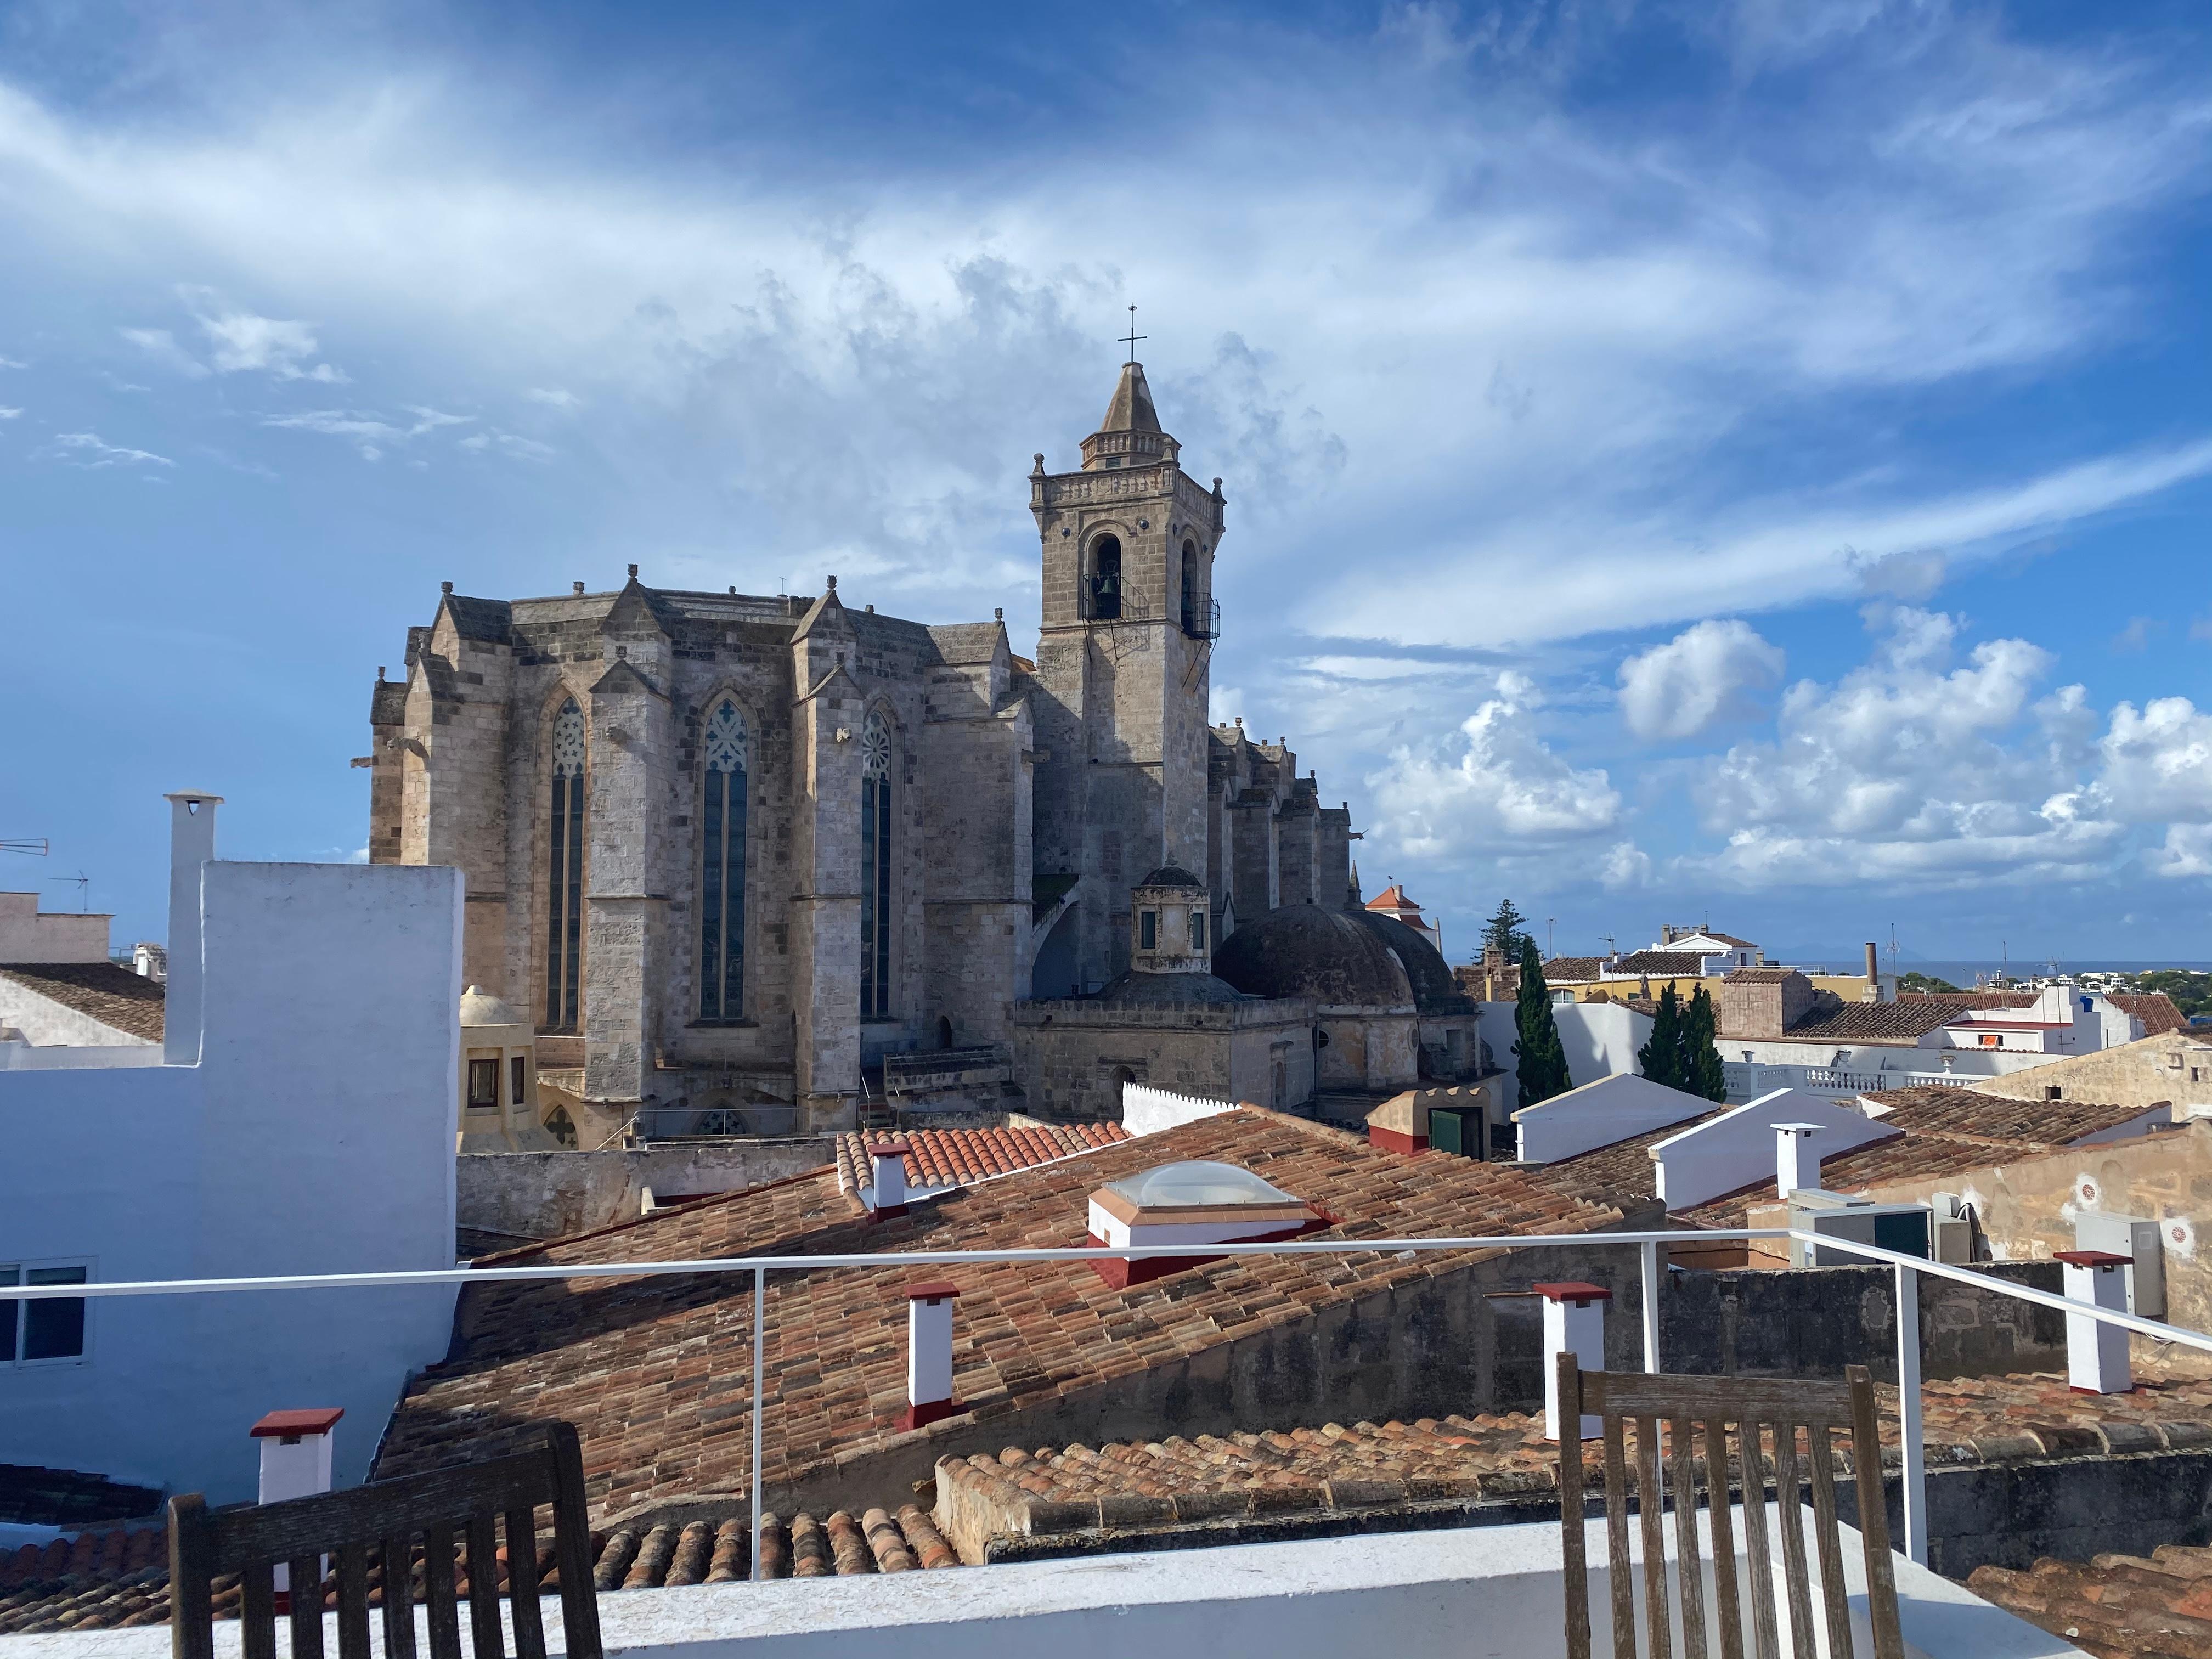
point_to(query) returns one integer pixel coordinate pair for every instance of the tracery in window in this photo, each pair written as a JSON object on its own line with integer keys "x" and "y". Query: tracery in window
{"x": 728, "y": 752}
{"x": 875, "y": 868}
{"x": 564, "y": 875}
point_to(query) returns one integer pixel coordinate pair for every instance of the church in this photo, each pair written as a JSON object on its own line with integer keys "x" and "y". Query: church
{"x": 753, "y": 854}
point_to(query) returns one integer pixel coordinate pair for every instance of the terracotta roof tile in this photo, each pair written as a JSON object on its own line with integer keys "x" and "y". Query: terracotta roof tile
{"x": 949, "y": 1157}
{"x": 2158, "y": 1011}
{"x": 114, "y": 996}
{"x": 1872, "y": 1021}
{"x": 654, "y": 1372}
{"x": 1938, "y": 1109}
{"x": 1572, "y": 970}
{"x": 2116, "y": 1606}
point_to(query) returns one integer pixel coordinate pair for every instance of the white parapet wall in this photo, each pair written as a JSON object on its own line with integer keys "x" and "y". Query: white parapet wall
{"x": 1599, "y": 1113}
{"x": 1481, "y": 1591}
{"x": 1146, "y": 1110}
{"x": 313, "y": 1134}
{"x": 1738, "y": 1148}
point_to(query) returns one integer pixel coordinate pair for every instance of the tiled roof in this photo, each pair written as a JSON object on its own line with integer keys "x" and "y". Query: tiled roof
{"x": 1970, "y": 1001}
{"x": 1937, "y": 1109}
{"x": 2158, "y": 1011}
{"x": 1671, "y": 964}
{"x": 2116, "y": 1606}
{"x": 1572, "y": 970}
{"x": 30, "y": 1496}
{"x": 104, "y": 1581}
{"x": 116, "y": 997}
{"x": 655, "y": 1371}
{"x": 1173, "y": 1481}
{"x": 1758, "y": 975}
{"x": 1869, "y": 1021}
{"x": 950, "y": 1158}
{"x": 959, "y": 643}
{"x": 1392, "y": 897}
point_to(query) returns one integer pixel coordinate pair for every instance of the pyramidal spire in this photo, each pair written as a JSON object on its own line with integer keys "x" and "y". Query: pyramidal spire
{"x": 1131, "y": 409}
{"x": 1130, "y": 435}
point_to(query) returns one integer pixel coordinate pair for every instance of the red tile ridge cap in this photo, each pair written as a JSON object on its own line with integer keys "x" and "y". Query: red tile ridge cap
{"x": 310, "y": 1419}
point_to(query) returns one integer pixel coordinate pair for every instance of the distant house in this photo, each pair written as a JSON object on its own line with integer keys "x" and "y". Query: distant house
{"x": 58, "y": 987}
{"x": 1392, "y": 902}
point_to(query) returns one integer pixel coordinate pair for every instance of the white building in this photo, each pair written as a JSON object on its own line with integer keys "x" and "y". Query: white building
{"x": 296, "y": 1117}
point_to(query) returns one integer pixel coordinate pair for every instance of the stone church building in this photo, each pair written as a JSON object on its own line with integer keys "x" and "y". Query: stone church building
{"x": 732, "y": 851}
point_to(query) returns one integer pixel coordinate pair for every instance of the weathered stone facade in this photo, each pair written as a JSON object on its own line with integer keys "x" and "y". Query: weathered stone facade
{"x": 902, "y": 833}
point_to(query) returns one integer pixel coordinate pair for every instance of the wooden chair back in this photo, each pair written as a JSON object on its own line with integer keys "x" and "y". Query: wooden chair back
{"x": 470, "y": 1500}
{"x": 1710, "y": 1407}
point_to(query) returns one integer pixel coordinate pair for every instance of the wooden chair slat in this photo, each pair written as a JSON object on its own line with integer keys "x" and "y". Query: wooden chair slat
{"x": 353, "y": 1601}
{"x": 1874, "y": 1516}
{"x": 1759, "y": 1559}
{"x": 1821, "y": 1460}
{"x": 1619, "y": 1573}
{"x": 304, "y": 1588}
{"x": 1572, "y": 1547}
{"x": 1650, "y": 1509}
{"x": 364, "y": 1514}
{"x": 1639, "y": 1394}
{"x": 445, "y": 1617}
{"x": 398, "y": 1596}
{"x": 1726, "y": 1606}
{"x": 483, "y": 1588}
{"x": 1689, "y": 1560}
{"x": 191, "y": 1555}
{"x": 572, "y": 1543}
{"x": 1789, "y": 1500}
{"x": 522, "y": 1584}
{"x": 257, "y": 1612}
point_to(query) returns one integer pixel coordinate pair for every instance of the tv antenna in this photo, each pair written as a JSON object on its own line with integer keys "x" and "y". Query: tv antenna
{"x": 36, "y": 846}
{"x": 1611, "y": 945}
{"x": 1549, "y": 923}
{"x": 81, "y": 882}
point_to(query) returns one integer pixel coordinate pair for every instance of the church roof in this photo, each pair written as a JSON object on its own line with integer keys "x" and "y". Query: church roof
{"x": 1131, "y": 409}
{"x": 1435, "y": 990}
{"x": 1171, "y": 875}
{"x": 1131, "y": 989}
{"x": 1392, "y": 897}
{"x": 966, "y": 642}
{"x": 1307, "y": 950}
{"x": 487, "y": 620}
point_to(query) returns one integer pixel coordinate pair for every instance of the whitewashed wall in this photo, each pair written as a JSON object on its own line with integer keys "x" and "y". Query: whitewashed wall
{"x": 1599, "y": 1113}
{"x": 1738, "y": 1149}
{"x": 314, "y": 1135}
{"x": 1146, "y": 1110}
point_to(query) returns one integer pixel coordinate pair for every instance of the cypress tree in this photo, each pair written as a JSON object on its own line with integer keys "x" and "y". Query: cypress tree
{"x": 1703, "y": 1071}
{"x": 1660, "y": 1058}
{"x": 1542, "y": 1058}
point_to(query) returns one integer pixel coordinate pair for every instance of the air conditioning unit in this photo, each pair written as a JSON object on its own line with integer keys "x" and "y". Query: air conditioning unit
{"x": 1904, "y": 1228}
{"x": 1952, "y": 1223}
{"x": 2126, "y": 1235}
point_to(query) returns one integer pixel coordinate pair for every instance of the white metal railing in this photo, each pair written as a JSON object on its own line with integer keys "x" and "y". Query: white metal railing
{"x": 1907, "y": 1269}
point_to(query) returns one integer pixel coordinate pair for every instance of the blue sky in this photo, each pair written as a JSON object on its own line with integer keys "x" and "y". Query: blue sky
{"x": 1749, "y": 460}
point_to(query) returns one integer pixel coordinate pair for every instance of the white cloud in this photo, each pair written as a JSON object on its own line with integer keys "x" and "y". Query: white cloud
{"x": 162, "y": 346}
{"x": 527, "y": 449}
{"x": 554, "y": 397}
{"x": 1625, "y": 866}
{"x": 2158, "y": 763}
{"x": 1500, "y": 787}
{"x": 86, "y": 450}
{"x": 2187, "y": 851}
{"x": 1701, "y": 676}
{"x": 366, "y": 430}
{"x": 11, "y": 362}
{"x": 10, "y": 414}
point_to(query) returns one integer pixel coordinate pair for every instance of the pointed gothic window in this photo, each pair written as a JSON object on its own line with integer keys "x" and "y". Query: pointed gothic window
{"x": 722, "y": 866}
{"x": 1106, "y": 579}
{"x": 875, "y": 868}
{"x": 564, "y": 875}
{"x": 1190, "y": 620}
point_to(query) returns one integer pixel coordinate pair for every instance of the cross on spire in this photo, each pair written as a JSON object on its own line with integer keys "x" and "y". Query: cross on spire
{"x": 1131, "y": 338}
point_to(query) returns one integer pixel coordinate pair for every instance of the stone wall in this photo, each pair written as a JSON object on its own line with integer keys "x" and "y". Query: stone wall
{"x": 2174, "y": 1069}
{"x": 547, "y": 1194}
{"x": 1073, "y": 1056}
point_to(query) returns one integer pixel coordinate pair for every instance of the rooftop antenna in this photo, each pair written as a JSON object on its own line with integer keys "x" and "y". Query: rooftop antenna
{"x": 36, "y": 846}
{"x": 1550, "y": 924}
{"x": 1131, "y": 338}
{"x": 81, "y": 882}
{"x": 1612, "y": 946}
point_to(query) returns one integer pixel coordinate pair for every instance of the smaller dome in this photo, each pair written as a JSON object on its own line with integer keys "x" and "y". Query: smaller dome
{"x": 1196, "y": 1183}
{"x": 480, "y": 1007}
{"x": 1435, "y": 990}
{"x": 1326, "y": 955}
{"x": 1136, "y": 990}
{"x": 1172, "y": 875}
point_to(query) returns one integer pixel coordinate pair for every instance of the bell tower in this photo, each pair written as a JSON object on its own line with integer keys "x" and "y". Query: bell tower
{"x": 1124, "y": 659}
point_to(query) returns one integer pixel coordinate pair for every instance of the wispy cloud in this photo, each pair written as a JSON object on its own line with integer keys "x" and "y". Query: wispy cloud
{"x": 10, "y": 414}
{"x": 554, "y": 397}
{"x": 369, "y": 431}
{"x": 87, "y": 449}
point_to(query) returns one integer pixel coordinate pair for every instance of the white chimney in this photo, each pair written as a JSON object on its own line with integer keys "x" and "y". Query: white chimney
{"x": 1795, "y": 1164}
{"x": 2096, "y": 1353}
{"x": 887, "y": 1176}
{"x": 928, "y": 1353}
{"x": 191, "y": 844}
{"x": 1574, "y": 1322}
{"x": 296, "y": 1458}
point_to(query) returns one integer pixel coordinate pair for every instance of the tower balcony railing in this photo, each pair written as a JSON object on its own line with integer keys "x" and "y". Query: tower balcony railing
{"x": 1204, "y": 622}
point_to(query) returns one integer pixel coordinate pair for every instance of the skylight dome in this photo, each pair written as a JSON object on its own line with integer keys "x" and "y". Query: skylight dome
{"x": 1197, "y": 1183}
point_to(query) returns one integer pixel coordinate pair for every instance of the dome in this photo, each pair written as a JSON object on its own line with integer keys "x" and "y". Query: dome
{"x": 480, "y": 1007}
{"x": 1435, "y": 990}
{"x": 1305, "y": 951}
{"x": 1196, "y": 1183}
{"x": 1135, "y": 990}
{"x": 1172, "y": 875}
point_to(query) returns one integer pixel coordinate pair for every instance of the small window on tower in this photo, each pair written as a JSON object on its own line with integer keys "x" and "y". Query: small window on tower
{"x": 1148, "y": 930}
{"x": 1198, "y": 930}
{"x": 519, "y": 1066}
{"x": 483, "y": 1084}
